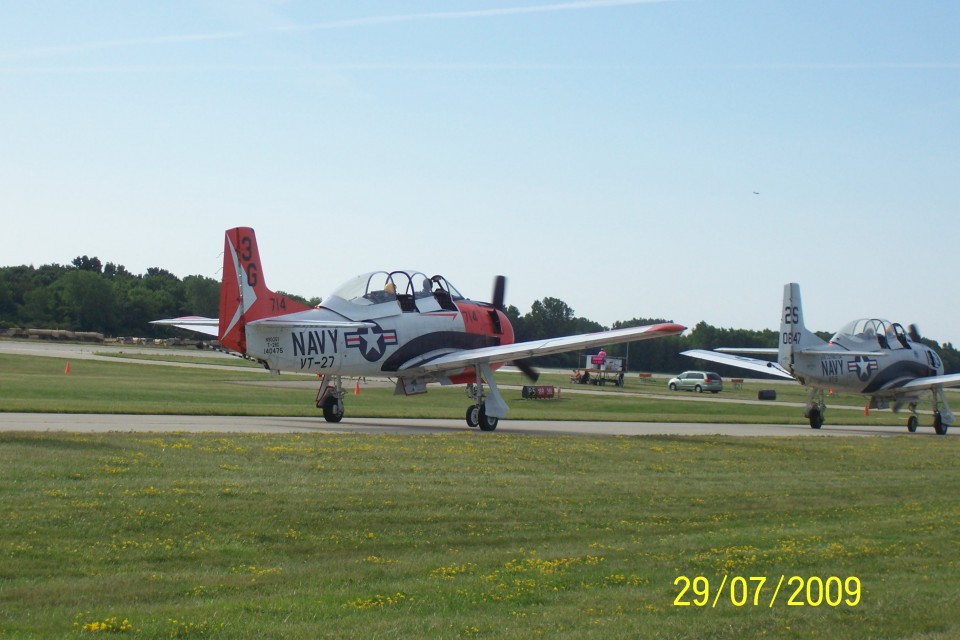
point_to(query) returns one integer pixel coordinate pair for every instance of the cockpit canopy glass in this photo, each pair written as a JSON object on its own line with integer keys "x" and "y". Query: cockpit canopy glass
{"x": 383, "y": 286}
{"x": 874, "y": 331}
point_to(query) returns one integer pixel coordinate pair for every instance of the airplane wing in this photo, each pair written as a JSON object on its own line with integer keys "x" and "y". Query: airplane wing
{"x": 950, "y": 380}
{"x": 753, "y": 364}
{"x": 533, "y": 348}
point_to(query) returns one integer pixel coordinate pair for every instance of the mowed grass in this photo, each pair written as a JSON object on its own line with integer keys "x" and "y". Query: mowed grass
{"x": 472, "y": 535}
{"x": 467, "y": 535}
{"x": 40, "y": 384}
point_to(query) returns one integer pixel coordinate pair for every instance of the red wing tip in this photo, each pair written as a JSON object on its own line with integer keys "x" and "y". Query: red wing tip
{"x": 670, "y": 328}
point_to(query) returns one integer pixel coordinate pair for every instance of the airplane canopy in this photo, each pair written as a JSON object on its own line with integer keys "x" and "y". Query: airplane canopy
{"x": 872, "y": 332}
{"x": 376, "y": 287}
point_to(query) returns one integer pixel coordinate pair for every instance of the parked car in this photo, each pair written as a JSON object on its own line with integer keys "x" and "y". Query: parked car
{"x": 698, "y": 381}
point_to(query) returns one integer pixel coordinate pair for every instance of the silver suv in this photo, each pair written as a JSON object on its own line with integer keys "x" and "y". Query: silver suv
{"x": 698, "y": 381}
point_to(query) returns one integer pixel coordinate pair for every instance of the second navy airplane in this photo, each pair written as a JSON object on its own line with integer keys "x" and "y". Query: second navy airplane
{"x": 870, "y": 356}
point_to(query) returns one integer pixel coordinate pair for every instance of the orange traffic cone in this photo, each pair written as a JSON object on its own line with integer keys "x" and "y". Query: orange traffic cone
{"x": 67, "y": 370}
{"x": 356, "y": 389}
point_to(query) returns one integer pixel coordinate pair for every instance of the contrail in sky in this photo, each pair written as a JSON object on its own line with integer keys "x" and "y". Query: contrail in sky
{"x": 575, "y": 5}
{"x": 474, "y": 13}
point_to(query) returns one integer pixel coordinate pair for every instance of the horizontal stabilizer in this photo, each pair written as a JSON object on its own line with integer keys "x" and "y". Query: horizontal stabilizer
{"x": 287, "y": 322}
{"x": 760, "y": 351}
{"x": 817, "y": 351}
{"x": 206, "y": 326}
{"x": 834, "y": 352}
{"x": 211, "y": 326}
{"x": 753, "y": 364}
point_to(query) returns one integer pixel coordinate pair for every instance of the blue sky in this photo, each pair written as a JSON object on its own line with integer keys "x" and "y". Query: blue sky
{"x": 605, "y": 153}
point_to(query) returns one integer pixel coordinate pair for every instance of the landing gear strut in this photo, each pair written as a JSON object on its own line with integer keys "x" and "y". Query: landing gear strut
{"x": 938, "y": 426}
{"x": 477, "y": 413}
{"x": 330, "y": 399}
{"x": 942, "y": 416}
{"x": 487, "y": 409}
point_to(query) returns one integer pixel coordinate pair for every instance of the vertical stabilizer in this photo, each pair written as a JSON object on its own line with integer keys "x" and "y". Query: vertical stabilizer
{"x": 794, "y": 336}
{"x": 244, "y": 295}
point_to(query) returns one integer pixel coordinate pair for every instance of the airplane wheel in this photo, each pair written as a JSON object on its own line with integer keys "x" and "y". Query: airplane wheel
{"x": 332, "y": 410}
{"x": 938, "y": 425}
{"x": 473, "y": 416}
{"x": 816, "y": 419}
{"x": 487, "y": 423}
{"x": 912, "y": 424}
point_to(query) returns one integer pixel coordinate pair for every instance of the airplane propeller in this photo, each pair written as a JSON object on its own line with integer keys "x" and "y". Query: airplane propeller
{"x": 499, "y": 294}
{"x": 914, "y": 333}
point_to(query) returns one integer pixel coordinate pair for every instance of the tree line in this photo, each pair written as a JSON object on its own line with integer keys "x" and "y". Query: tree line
{"x": 88, "y": 295}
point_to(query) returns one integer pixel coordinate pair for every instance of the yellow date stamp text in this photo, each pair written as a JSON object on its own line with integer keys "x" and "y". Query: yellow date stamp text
{"x": 759, "y": 591}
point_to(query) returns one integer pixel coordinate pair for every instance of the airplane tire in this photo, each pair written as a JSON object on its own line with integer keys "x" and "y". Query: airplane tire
{"x": 487, "y": 423}
{"x": 332, "y": 410}
{"x": 816, "y": 419}
{"x": 938, "y": 426}
{"x": 912, "y": 424}
{"x": 473, "y": 416}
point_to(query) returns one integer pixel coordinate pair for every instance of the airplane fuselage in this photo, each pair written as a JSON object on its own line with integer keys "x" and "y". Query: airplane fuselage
{"x": 866, "y": 374}
{"x": 394, "y": 338}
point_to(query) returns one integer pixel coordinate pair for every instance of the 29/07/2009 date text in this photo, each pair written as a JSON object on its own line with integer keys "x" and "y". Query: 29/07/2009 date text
{"x": 758, "y": 591}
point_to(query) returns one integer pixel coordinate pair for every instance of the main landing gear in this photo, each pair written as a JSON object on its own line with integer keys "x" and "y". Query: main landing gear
{"x": 942, "y": 416}
{"x": 939, "y": 424}
{"x": 477, "y": 415}
{"x": 815, "y": 409}
{"x": 330, "y": 399}
{"x": 487, "y": 409}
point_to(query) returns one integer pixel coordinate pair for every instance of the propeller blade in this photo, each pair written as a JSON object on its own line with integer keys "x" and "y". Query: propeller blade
{"x": 527, "y": 369}
{"x": 914, "y": 333}
{"x": 499, "y": 291}
{"x": 499, "y": 295}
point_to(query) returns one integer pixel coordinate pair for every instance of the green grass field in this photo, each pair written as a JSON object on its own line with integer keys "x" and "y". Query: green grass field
{"x": 472, "y": 536}
{"x": 468, "y": 535}
{"x": 40, "y": 384}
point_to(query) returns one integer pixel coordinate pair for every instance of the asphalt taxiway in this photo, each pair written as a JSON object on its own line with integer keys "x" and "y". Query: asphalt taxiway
{"x": 101, "y": 423}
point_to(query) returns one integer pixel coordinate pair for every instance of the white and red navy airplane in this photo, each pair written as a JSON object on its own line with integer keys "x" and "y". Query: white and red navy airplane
{"x": 400, "y": 324}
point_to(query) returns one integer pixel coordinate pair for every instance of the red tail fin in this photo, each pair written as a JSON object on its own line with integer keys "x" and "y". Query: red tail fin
{"x": 244, "y": 295}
